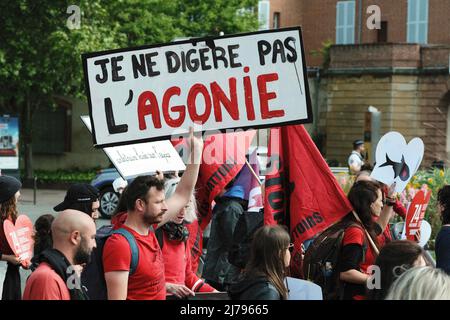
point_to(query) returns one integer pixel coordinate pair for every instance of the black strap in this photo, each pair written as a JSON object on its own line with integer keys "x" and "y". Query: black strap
{"x": 160, "y": 237}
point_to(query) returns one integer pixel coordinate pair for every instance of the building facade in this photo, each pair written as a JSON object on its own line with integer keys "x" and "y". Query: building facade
{"x": 400, "y": 66}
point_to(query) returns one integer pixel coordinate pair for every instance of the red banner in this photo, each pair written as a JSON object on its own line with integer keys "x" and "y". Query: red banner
{"x": 300, "y": 190}
{"x": 223, "y": 158}
{"x": 416, "y": 212}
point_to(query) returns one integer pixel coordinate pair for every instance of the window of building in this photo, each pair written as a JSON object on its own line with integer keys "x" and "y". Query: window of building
{"x": 276, "y": 20}
{"x": 264, "y": 14}
{"x": 382, "y": 33}
{"x": 417, "y": 24}
{"x": 345, "y": 22}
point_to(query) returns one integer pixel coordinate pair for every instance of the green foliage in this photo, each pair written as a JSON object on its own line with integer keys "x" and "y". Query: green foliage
{"x": 324, "y": 52}
{"x": 434, "y": 180}
{"x": 72, "y": 176}
{"x": 40, "y": 55}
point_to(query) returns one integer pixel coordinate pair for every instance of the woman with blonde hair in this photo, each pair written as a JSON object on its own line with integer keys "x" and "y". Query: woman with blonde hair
{"x": 421, "y": 283}
{"x": 264, "y": 274}
{"x": 173, "y": 237}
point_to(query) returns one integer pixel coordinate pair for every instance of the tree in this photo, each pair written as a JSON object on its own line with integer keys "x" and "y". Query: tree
{"x": 40, "y": 55}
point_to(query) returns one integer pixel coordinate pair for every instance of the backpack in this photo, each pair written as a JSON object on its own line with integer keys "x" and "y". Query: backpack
{"x": 93, "y": 276}
{"x": 320, "y": 264}
{"x": 246, "y": 226}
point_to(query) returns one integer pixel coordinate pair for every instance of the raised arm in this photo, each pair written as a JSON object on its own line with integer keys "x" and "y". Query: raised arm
{"x": 187, "y": 182}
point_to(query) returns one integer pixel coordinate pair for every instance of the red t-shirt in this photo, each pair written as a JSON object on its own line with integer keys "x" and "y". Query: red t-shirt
{"x": 147, "y": 282}
{"x": 195, "y": 244}
{"x": 177, "y": 266}
{"x": 355, "y": 235}
{"x": 45, "y": 284}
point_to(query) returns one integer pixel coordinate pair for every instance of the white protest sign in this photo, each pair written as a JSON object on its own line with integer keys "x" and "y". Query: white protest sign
{"x": 425, "y": 232}
{"x": 150, "y": 93}
{"x": 303, "y": 290}
{"x": 397, "y": 161}
{"x": 142, "y": 158}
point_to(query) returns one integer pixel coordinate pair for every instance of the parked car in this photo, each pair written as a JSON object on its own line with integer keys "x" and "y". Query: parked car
{"x": 108, "y": 198}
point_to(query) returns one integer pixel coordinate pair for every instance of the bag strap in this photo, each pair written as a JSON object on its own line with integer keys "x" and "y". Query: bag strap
{"x": 372, "y": 243}
{"x": 160, "y": 237}
{"x": 133, "y": 247}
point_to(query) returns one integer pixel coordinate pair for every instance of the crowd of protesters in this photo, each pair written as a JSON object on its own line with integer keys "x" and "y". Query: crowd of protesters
{"x": 151, "y": 250}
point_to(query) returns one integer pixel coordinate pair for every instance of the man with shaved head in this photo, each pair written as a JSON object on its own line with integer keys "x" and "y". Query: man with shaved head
{"x": 73, "y": 234}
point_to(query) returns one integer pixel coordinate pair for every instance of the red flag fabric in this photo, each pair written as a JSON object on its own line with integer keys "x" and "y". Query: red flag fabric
{"x": 301, "y": 192}
{"x": 223, "y": 158}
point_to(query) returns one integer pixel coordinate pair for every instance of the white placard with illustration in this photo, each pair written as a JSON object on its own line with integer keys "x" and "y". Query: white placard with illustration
{"x": 397, "y": 161}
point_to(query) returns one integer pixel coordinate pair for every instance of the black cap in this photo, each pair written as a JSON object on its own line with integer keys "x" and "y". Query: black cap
{"x": 357, "y": 143}
{"x": 78, "y": 193}
{"x": 8, "y": 187}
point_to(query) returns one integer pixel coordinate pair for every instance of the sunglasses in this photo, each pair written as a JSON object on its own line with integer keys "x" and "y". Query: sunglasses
{"x": 290, "y": 247}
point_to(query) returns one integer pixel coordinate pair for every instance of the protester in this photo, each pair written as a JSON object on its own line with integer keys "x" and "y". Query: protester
{"x": 395, "y": 258}
{"x": 42, "y": 237}
{"x": 73, "y": 234}
{"x": 421, "y": 283}
{"x": 356, "y": 158}
{"x": 146, "y": 206}
{"x": 9, "y": 194}
{"x": 82, "y": 197}
{"x": 357, "y": 251}
{"x": 173, "y": 236}
{"x": 217, "y": 271}
{"x": 442, "y": 246}
{"x": 263, "y": 277}
{"x": 120, "y": 213}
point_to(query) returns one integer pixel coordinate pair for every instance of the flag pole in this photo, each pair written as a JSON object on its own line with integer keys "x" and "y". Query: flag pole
{"x": 377, "y": 252}
{"x": 253, "y": 172}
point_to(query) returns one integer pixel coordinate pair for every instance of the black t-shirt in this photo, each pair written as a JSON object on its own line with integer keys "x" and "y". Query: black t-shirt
{"x": 443, "y": 249}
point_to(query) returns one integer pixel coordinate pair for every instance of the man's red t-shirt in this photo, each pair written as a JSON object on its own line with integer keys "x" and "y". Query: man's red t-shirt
{"x": 147, "y": 282}
{"x": 45, "y": 284}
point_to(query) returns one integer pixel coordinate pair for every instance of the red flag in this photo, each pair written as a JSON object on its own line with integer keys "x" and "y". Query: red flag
{"x": 223, "y": 158}
{"x": 301, "y": 191}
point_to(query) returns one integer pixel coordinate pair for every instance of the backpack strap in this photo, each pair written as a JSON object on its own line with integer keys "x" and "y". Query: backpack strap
{"x": 133, "y": 246}
{"x": 160, "y": 237}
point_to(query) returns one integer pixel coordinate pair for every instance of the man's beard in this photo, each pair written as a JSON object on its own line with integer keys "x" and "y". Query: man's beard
{"x": 83, "y": 254}
{"x": 150, "y": 219}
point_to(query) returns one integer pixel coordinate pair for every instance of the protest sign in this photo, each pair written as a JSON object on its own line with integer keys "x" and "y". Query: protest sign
{"x": 397, "y": 161}
{"x": 150, "y": 93}
{"x": 20, "y": 238}
{"x": 303, "y": 290}
{"x": 142, "y": 158}
{"x": 416, "y": 212}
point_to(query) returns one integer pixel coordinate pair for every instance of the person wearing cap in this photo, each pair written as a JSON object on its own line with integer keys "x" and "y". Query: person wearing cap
{"x": 82, "y": 197}
{"x": 9, "y": 194}
{"x": 356, "y": 158}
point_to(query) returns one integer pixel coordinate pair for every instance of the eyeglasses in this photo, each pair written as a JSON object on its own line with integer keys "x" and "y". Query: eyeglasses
{"x": 290, "y": 247}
